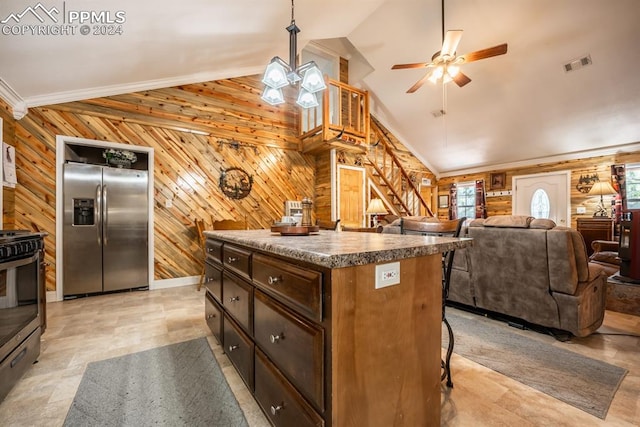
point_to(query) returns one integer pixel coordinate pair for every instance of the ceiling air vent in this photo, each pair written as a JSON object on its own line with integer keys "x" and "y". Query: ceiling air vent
{"x": 576, "y": 64}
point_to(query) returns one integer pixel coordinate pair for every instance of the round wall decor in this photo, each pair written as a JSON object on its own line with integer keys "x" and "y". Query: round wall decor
{"x": 235, "y": 183}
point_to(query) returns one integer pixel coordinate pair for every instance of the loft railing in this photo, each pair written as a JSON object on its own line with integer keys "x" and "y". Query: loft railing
{"x": 342, "y": 116}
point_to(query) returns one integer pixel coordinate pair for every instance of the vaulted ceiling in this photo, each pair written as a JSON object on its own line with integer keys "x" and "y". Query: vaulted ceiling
{"x": 520, "y": 108}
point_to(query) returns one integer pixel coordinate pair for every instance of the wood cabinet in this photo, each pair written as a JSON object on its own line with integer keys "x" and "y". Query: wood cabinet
{"x": 595, "y": 229}
{"x": 320, "y": 346}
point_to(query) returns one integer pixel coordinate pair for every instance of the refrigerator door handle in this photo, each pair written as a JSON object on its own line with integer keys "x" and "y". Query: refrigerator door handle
{"x": 105, "y": 222}
{"x": 96, "y": 213}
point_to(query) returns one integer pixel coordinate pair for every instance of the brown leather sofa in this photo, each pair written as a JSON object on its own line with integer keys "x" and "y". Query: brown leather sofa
{"x": 532, "y": 270}
{"x": 605, "y": 254}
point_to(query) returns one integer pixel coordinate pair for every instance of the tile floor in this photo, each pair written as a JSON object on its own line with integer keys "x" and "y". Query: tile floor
{"x": 83, "y": 330}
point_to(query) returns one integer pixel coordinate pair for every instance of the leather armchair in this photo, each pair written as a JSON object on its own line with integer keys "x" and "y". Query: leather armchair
{"x": 605, "y": 254}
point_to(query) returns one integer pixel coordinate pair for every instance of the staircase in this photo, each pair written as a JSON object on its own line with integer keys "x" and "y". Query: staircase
{"x": 385, "y": 171}
{"x": 342, "y": 121}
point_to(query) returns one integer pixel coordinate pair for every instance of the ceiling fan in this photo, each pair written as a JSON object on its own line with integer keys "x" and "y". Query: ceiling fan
{"x": 445, "y": 64}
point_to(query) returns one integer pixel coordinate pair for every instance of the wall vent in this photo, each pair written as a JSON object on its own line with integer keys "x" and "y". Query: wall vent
{"x": 576, "y": 64}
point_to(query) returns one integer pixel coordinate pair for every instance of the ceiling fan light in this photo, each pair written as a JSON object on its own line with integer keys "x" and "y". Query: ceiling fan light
{"x": 273, "y": 96}
{"x": 275, "y": 75}
{"x": 307, "y": 99}
{"x": 313, "y": 80}
{"x": 453, "y": 70}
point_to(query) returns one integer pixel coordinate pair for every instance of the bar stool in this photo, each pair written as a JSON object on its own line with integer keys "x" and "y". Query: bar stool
{"x": 441, "y": 228}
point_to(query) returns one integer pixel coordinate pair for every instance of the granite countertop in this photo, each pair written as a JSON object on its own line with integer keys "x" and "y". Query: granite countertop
{"x": 341, "y": 249}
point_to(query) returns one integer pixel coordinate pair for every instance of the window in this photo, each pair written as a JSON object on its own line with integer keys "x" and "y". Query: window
{"x": 540, "y": 204}
{"x": 632, "y": 176}
{"x": 466, "y": 200}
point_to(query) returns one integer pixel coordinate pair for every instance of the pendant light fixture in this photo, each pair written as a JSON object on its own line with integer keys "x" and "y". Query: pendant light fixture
{"x": 280, "y": 74}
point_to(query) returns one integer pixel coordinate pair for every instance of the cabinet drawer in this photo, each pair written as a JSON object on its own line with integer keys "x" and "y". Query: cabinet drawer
{"x": 239, "y": 349}
{"x": 238, "y": 300}
{"x": 214, "y": 249}
{"x": 237, "y": 259}
{"x": 18, "y": 362}
{"x": 295, "y": 285}
{"x": 213, "y": 279}
{"x": 282, "y": 404}
{"x": 213, "y": 316}
{"x": 294, "y": 344}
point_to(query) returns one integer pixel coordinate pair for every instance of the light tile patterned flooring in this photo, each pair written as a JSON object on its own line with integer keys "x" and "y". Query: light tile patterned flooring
{"x": 88, "y": 329}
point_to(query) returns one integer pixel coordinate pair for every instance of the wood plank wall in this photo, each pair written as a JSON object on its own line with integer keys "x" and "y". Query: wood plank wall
{"x": 187, "y": 165}
{"x": 501, "y": 205}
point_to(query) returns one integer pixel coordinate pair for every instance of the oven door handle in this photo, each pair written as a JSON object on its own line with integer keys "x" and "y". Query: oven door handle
{"x": 20, "y": 262}
{"x": 97, "y": 213}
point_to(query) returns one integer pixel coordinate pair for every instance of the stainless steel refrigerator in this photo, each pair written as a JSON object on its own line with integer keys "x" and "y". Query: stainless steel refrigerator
{"x": 105, "y": 231}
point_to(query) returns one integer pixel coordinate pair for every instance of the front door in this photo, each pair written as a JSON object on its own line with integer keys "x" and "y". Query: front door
{"x": 543, "y": 196}
{"x": 351, "y": 183}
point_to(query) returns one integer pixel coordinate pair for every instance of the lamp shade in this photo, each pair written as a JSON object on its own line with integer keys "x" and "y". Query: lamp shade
{"x": 272, "y": 96}
{"x": 307, "y": 99}
{"x": 275, "y": 76}
{"x": 313, "y": 81}
{"x": 602, "y": 188}
{"x": 376, "y": 207}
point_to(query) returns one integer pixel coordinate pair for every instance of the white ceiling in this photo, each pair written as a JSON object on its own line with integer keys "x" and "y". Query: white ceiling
{"x": 520, "y": 108}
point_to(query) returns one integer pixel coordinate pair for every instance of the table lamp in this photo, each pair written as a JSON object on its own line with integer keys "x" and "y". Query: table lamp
{"x": 601, "y": 188}
{"x": 376, "y": 207}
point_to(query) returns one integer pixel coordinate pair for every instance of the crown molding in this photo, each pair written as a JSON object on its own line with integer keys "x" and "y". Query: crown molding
{"x": 15, "y": 101}
{"x": 575, "y": 155}
{"x": 102, "y": 91}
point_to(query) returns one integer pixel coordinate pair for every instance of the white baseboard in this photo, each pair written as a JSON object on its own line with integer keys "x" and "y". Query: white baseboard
{"x": 52, "y": 296}
{"x": 175, "y": 283}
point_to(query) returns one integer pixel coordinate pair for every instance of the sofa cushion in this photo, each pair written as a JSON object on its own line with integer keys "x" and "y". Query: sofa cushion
{"x": 542, "y": 224}
{"x": 606, "y": 256}
{"x": 511, "y": 221}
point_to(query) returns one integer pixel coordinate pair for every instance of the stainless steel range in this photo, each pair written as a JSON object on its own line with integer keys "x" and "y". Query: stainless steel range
{"x": 21, "y": 260}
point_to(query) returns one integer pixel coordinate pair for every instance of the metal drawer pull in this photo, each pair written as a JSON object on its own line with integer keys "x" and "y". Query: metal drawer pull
{"x": 233, "y": 347}
{"x": 276, "y": 409}
{"x": 275, "y": 338}
{"x": 273, "y": 280}
{"x": 234, "y": 299}
{"x": 231, "y": 260}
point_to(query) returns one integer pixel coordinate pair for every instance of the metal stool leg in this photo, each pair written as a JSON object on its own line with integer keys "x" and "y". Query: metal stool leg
{"x": 446, "y": 363}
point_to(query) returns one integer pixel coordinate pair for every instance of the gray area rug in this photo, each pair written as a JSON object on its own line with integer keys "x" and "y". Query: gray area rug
{"x": 176, "y": 385}
{"x": 580, "y": 381}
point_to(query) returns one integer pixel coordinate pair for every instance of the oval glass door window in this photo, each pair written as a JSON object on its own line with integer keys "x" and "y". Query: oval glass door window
{"x": 540, "y": 204}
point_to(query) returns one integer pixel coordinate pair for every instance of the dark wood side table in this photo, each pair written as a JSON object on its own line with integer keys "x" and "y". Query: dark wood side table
{"x": 595, "y": 229}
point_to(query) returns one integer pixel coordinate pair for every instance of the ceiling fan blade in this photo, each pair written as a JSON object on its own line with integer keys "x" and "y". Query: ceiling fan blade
{"x": 450, "y": 43}
{"x": 419, "y": 83}
{"x": 461, "y": 79}
{"x": 415, "y": 65}
{"x": 501, "y": 49}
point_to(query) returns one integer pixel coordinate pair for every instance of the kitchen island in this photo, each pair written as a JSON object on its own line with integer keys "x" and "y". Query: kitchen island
{"x": 332, "y": 329}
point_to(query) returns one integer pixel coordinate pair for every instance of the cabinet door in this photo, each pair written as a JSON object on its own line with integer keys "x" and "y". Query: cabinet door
{"x": 213, "y": 316}
{"x": 238, "y": 300}
{"x": 282, "y": 404}
{"x": 294, "y": 344}
{"x": 239, "y": 348}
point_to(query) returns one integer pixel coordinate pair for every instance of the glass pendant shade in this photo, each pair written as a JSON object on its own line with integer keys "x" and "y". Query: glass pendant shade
{"x": 452, "y": 70}
{"x": 273, "y": 96}
{"x": 307, "y": 99}
{"x": 313, "y": 81}
{"x": 275, "y": 76}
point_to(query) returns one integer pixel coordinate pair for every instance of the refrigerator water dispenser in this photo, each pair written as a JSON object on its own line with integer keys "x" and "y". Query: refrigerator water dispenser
{"x": 83, "y": 212}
